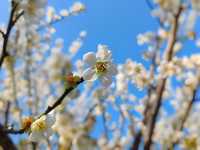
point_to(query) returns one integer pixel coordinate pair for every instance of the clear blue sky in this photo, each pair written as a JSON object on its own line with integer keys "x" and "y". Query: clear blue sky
{"x": 112, "y": 22}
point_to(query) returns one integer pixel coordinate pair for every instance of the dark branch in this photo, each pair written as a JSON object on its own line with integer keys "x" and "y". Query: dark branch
{"x": 60, "y": 100}
{"x": 11, "y": 23}
{"x": 5, "y": 141}
{"x": 2, "y": 33}
{"x": 49, "y": 108}
{"x": 7, "y": 112}
{"x": 161, "y": 86}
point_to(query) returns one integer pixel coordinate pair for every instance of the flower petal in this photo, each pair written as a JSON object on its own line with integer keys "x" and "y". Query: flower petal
{"x": 36, "y": 136}
{"x": 106, "y": 80}
{"x": 90, "y": 58}
{"x": 112, "y": 70}
{"x": 103, "y": 52}
{"x": 89, "y": 74}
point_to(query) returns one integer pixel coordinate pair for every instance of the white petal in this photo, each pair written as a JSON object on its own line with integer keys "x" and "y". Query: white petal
{"x": 89, "y": 74}
{"x": 89, "y": 58}
{"x": 103, "y": 52}
{"x": 112, "y": 70}
{"x": 36, "y": 136}
{"x": 106, "y": 80}
{"x": 50, "y": 120}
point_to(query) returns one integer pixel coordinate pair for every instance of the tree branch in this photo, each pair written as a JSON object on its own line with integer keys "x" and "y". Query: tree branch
{"x": 5, "y": 141}
{"x": 49, "y": 108}
{"x": 11, "y": 23}
{"x": 161, "y": 85}
{"x": 151, "y": 87}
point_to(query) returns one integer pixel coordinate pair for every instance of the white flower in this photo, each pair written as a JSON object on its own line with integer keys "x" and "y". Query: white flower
{"x": 64, "y": 12}
{"x": 34, "y": 10}
{"x": 100, "y": 66}
{"x": 145, "y": 38}
{"x": 77, "y": 7}
{"x": 41, "y": 128}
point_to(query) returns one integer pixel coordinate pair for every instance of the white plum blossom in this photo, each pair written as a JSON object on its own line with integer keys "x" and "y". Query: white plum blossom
{"x": 77, "y": 7}
{"x": 41, "y": 128}
{"x": 34, "y": 10}
{"x": 100, "y": 66}
{"x": 145, "y": 38}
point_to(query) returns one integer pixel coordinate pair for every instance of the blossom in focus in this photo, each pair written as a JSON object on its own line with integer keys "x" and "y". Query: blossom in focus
{"x": 41, "y": 128}
{"x": 100, "y": 66}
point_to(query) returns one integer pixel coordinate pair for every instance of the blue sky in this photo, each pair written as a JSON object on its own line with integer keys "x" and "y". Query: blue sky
{"x": 115, "y": 23}
{"x": 112, "y": 22}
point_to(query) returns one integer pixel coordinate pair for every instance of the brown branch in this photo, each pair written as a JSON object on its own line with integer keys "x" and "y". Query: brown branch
{"x": 2, "y": 33}
{"x": 151, "y": 88}
{"x": 60, "y": 100}
{"x": 49, "y": 108}
{"x": 161, "y": 86}
{"x": 11, "y": 23}
{"x": 5, "y": 141}
{"x": 7, "y": 113}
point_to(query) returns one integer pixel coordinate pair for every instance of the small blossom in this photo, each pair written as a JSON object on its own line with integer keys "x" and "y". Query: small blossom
{"x": 145, "y": 38}
{"x": 77, "y": 7}
{"x": 41, "y": 128}
{"x": 64, "y": 12}
{"x": 100, "y": 66}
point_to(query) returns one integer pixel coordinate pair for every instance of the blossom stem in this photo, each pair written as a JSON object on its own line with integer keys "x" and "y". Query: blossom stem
{"x": 61, "y": 98}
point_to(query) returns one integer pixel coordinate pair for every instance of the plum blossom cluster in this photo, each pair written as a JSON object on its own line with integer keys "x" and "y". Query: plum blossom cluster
{"x": 146, "y": 104}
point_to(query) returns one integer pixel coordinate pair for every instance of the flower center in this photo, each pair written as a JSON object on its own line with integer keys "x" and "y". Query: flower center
{"x": 39, "y": 125}
{"x": 101, "y": 67}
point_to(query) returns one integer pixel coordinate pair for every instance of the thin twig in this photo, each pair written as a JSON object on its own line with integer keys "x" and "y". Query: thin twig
{"x": 11, "y": 24}
{"x": 185, "y": 116}
{"x": 49, "y": 108}
{"x": 7, "y": 113}
{"x": 2, "y": 33}
{"x": 60, "y": 100}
